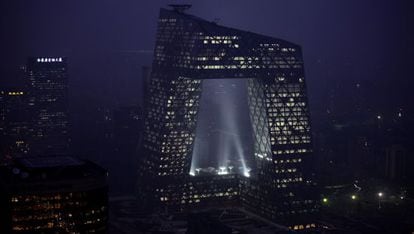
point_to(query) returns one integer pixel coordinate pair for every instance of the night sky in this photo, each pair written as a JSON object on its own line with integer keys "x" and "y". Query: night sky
{"x": 344, "y": 43}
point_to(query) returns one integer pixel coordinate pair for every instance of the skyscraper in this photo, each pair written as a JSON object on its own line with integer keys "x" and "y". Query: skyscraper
{"x": 48, "y": 104}
{"x": 14, "y": 124}
{"x": 189, "y": 50}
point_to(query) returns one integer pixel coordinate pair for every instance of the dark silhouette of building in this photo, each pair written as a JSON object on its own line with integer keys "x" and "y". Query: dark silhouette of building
{"x": 121, "y": 149}
{"x": 396, "y": 162}
{"x": 53, "y": 195}
{"x": 189, "y": 50}
{"x": 48, "y": 103}
{"x": 203, "y": 223}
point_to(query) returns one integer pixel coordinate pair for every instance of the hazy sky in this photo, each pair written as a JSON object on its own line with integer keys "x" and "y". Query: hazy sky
{"x": 349, "y": 41}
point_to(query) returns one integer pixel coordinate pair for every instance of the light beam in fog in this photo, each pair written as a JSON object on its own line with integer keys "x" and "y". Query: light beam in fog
{"x": 223, "y": 129}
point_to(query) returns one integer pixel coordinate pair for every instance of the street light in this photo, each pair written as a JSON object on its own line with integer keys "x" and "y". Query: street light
{"x": 325, "y": 200}
{"x": 353, "y": 197}
{"x": 380, "y": 194}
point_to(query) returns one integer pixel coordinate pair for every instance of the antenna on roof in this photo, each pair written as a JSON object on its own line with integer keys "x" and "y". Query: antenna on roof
{"x": 180, "y": 8}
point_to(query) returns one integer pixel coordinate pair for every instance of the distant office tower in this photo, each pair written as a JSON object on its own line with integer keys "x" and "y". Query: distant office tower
{"x": 189, "y": 50}
{"x": 14, "y": 124}
{"x": 48, "y": 103}
{"x": 127, "y": 125}
{"x": 396, "y": 166}
{"x": 53, "y": 195}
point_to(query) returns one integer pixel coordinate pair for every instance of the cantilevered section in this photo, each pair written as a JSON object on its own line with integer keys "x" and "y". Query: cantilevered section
{"x": 180, "y": 7}
{"x": 189, "y": 50}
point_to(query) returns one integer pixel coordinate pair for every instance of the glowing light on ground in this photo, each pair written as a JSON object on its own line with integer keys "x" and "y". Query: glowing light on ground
{"x": 246, "y": 173}
{"x": 222, "y": 171}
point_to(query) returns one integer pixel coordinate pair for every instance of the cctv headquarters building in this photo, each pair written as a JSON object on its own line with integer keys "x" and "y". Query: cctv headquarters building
{"x": 274, "y": 181}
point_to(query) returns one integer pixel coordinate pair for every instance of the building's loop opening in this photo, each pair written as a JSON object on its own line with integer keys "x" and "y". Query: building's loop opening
{"x": 223, "y": 143}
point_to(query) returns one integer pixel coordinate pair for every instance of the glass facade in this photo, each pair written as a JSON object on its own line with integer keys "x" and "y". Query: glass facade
{"x": 189, "y": 50}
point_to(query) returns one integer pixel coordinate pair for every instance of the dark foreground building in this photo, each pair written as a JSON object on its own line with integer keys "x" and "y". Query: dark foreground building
{"x": 53, "y": 195}
{"x": 189, "y": 50}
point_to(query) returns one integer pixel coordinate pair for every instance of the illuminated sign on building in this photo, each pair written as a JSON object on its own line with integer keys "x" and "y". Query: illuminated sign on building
{"x": 49, "y": 60}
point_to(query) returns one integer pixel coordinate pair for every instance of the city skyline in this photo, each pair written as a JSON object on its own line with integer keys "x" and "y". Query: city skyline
{"x": 211, "y": 116}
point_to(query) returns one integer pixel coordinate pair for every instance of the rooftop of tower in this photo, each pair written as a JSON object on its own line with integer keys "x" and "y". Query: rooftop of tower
{"x": 180, "y": 7}
{"x": 180, "y": 11}
{"x": 45, "y": 169}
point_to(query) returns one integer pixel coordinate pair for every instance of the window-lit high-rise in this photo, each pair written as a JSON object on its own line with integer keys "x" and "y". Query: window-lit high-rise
{"x": 14, "y": 124}
{"x": 190, "y": 50}
{"x": 48, "y": 104}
